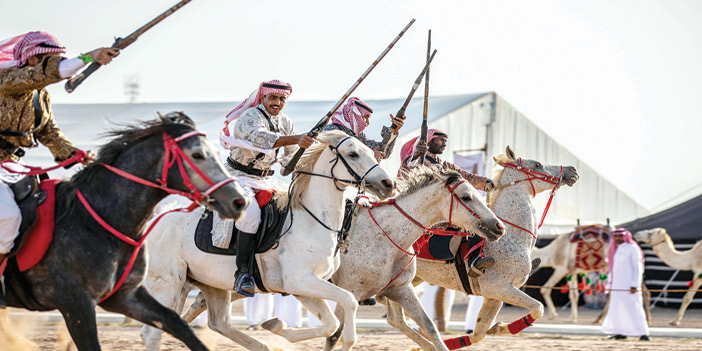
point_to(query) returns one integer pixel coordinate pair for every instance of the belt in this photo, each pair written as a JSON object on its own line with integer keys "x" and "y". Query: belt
{"x": 249, "y": 170}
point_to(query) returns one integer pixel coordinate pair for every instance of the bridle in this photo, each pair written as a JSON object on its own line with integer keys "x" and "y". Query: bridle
{"x": 359, "y": 181}
{"x": 531, "y": 176}
{"x": 173, "y": 154}
{"x": 427, "y": 231}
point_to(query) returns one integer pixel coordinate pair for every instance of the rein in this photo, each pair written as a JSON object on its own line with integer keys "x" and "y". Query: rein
{"x": 531, "y": 176}
{"x": 427, "y": 231}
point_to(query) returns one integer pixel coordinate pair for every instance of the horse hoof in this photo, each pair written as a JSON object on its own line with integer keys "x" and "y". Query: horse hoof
{"x": 674, "y": 323}
{"x": 274, "y": 325}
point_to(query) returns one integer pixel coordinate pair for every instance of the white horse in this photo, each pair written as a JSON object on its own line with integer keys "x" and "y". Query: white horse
{"x": 516, "y": 184}
{"x": 690, "y": 260}
{"x": 300, "y": 265}
{"x": 379, "y": 260}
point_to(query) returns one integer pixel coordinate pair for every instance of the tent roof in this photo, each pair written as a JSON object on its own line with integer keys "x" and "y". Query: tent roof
{"x": 682, "y": 222}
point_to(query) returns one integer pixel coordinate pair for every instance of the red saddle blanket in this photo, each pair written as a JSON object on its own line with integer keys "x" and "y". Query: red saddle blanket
{"x": 39, "y": 238}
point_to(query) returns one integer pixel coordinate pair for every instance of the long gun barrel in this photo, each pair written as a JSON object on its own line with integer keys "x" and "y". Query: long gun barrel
{"x": 119, "y": 44}
{"x": 323, "y": 122}
{"x": 389, "y": 138}
{"x": 425, "y": 114}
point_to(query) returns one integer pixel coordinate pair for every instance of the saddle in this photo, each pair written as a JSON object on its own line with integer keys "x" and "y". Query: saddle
{"x": 36, "y": 202}
{"x": 269, "y": 232}
{"x": 444, "y": 248}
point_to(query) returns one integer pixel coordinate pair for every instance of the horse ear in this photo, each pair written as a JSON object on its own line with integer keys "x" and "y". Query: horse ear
{"x": 176, "y": 117}
{"x": 510, "y": 153}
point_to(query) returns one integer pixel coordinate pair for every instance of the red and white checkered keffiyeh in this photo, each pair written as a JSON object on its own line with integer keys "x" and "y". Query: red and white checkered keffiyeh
{"x": 15, "y": 51}
{"x": 409, "y": 147}
{"x": 269, "y": 87}
{"x": 351, "y": 115}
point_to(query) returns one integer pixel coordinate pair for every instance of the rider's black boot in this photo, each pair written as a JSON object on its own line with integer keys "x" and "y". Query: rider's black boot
{"x": 479, "y": 265}
{"x": 244, "y": 284}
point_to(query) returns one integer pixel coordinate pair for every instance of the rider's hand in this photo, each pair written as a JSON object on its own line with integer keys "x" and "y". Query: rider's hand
{"x": 305, "y": 141}
{"x": 379, "y": 155}
{"x": 420, "y": 149}
{"x": 103, "y": 56}
{"x": 89, "y": 158}
{"x": 489, "y": 186}
{"x": 398, "y": 122}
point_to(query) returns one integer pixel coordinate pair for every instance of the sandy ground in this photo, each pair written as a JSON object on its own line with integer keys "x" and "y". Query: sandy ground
{"x": 50, "y": 337}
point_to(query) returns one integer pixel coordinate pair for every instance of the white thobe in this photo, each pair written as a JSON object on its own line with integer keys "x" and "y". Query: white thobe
{"x": 626, "y": 314}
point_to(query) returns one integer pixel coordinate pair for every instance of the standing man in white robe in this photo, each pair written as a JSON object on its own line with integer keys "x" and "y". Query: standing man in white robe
{"x": 626, "y": 316}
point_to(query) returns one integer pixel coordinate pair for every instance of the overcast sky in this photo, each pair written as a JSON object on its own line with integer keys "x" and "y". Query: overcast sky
{"x": 616, "y": 82}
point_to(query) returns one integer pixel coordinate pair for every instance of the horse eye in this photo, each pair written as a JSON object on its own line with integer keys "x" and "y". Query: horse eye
{"x": 466, "y": 198}
{"x": 538, "y": 164}
{"x": 198, "y": 156}
{"x": 353, "y": 155}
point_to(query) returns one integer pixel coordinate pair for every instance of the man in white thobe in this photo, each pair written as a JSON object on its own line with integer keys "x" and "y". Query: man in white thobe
{"x": 626, "y": 316}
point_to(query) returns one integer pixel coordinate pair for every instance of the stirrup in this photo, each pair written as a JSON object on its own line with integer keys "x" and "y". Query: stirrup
{"x": 479, "y": 265}
{"x": 245, "y": 285}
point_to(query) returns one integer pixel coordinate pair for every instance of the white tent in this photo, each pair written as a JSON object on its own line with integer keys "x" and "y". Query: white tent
{"x": 475, "y": 123}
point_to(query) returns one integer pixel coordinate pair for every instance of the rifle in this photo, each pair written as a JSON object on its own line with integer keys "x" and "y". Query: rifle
{"x": 323, "y": 122}
{"x": 119, "y": 44}
{"x": 388, "y": 139}
{"x": 423, "y": 134}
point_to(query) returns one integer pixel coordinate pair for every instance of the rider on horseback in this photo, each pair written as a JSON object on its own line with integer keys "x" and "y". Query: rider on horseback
{"x": 436, "y": 145}
{"x": 259, "y": 130}
{"x": 354, "y": 117}
{"x": 29, "y": 63}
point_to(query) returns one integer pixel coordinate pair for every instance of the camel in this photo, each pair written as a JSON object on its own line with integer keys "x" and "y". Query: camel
{"x": 690, "y": 260}
{"x": 561, "y": 255}
{"x": 515, "y": 185}
{"x": 302, "y": 262}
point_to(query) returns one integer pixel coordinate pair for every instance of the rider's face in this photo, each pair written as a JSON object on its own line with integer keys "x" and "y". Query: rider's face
{"x": 274, "y": 103}
{"x": 438, "y": 145}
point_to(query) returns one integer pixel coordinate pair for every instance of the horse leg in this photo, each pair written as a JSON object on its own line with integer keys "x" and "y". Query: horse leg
{"x": 487, "y": 314}
{"x": 79, "y": 314}
{"x": 320, "y": 309}
{"x": 140, "y": 305}
{"x": 574, "y": 296}
{"x": 440, "y": 308}
{"x": 514, "y": 296}
{"x": 219, "y": 318}
{"x": 198, "y": 306}
{"x": 687, "y": 299}
{"x": 547, "y": 288}
{"x": 309, "y": 285}
{"x": 168, "y": 291}
{"x": 334, "y": 338}
{"x": 405, "y": 298}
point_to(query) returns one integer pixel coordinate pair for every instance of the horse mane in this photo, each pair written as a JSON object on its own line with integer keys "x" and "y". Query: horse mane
{"x": 174, "y": 124}
{"x": 306, "y": 164}
{"x": 422, "y": 176}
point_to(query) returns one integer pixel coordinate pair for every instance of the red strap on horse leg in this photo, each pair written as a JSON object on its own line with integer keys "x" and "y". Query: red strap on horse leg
{"x": 521, "y": 324}
{"x": 457, "y": 343}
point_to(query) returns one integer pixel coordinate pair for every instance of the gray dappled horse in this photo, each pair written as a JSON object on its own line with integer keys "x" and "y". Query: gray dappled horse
{"x": 85, "y": 261}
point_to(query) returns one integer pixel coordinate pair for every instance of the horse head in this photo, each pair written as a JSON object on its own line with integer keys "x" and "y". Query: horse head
{"x": 466, "y": 209}
{"x": 202, "y": 172}
{"x": 353, "y": 164}
{"x": 651, "y": 236}
{"x": 532, "y": 174}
